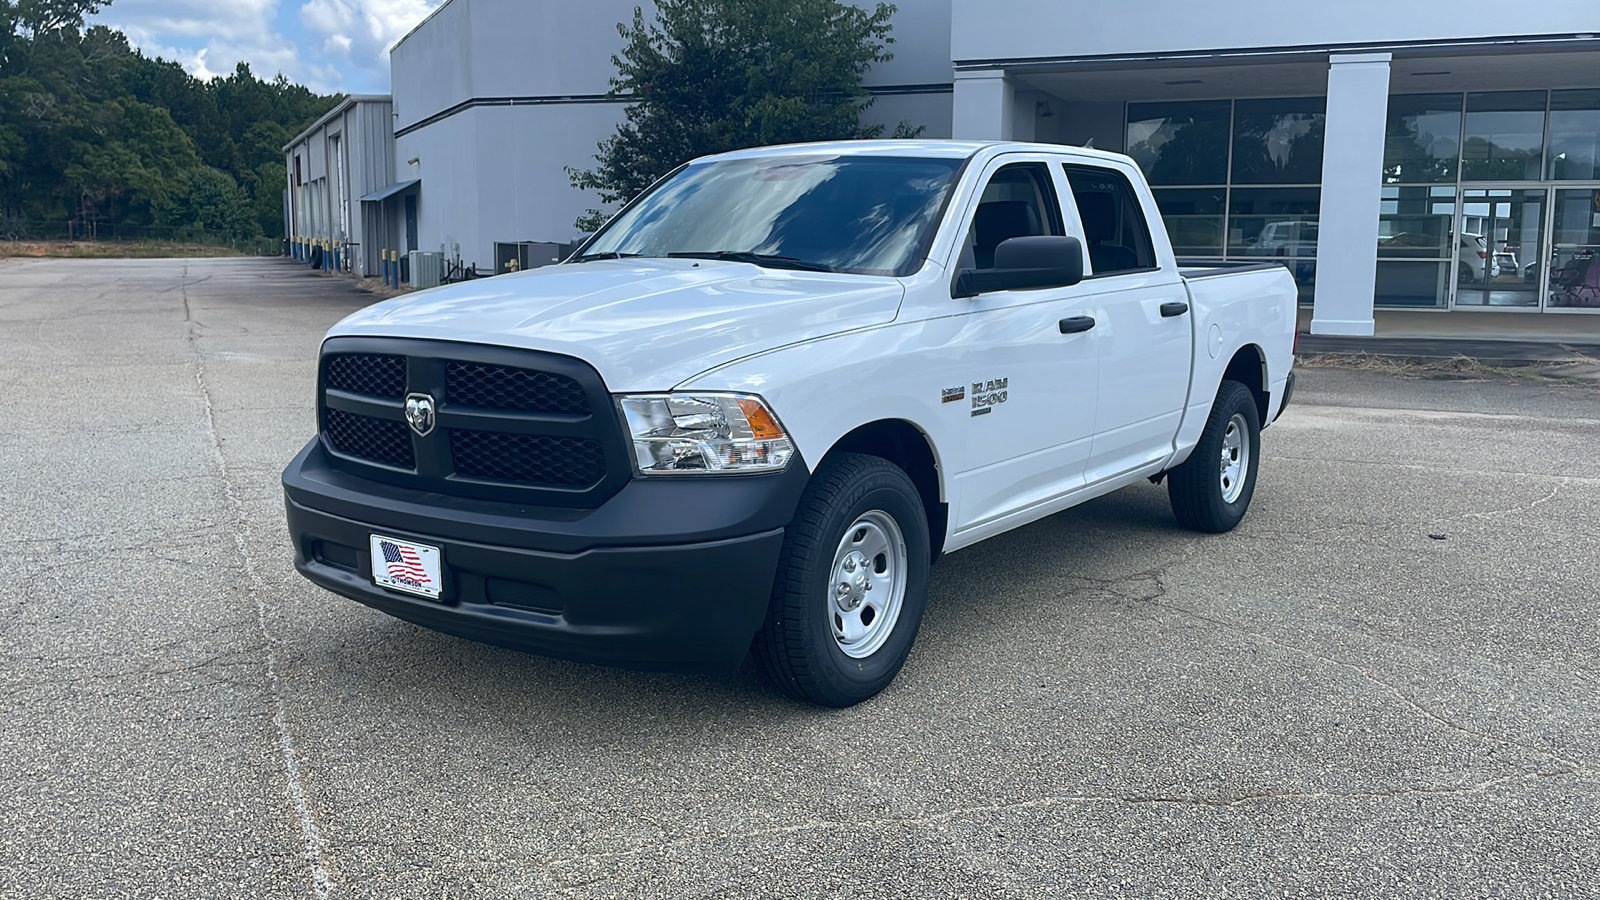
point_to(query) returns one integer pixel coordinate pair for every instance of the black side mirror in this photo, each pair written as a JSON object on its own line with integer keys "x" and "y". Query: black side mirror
{"x": 1025, "y": 263}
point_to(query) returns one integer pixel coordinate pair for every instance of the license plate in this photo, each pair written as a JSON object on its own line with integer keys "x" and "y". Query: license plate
{"x": 406, "y": 566}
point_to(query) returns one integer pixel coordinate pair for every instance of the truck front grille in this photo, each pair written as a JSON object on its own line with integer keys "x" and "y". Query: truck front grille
{"x": 528, "y": 459}
{"x": 367, "y": 373}
{"x": 509, "y": 425}
{"x": 524, "y": 390}
{"x": 379, "y": 440}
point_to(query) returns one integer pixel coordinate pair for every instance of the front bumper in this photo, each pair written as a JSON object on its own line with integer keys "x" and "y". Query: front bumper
{"x": 669, "y": 574}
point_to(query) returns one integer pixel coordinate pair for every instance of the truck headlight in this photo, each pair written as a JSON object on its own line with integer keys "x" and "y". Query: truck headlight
{"x": 676, "y": 434}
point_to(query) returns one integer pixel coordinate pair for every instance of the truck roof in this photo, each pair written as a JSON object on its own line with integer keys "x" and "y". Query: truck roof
{"x": 930, "y": 148}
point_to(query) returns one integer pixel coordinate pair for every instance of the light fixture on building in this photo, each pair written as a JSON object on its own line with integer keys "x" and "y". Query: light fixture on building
{"x": 413, "y": 160}
{"x": 1185, "y": 81}
{"x": 1438, "y": 72}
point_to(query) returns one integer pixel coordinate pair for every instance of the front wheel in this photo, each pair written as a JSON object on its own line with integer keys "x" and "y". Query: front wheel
{"x": 851, "y": 586}
{"x": 1213, "y": 487}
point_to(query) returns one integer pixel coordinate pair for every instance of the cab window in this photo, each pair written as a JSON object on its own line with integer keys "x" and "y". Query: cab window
{"x": 1116, "y": 236}
{"x": 1018, "y": 201}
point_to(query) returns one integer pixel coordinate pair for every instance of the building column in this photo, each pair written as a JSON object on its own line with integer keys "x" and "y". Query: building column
{"x": 984, "y": 106}
{"x": 1352, "y": 193}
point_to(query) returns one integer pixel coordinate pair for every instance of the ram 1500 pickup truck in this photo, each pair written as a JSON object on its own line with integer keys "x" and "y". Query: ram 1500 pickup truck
{"x": 748, "y": 414}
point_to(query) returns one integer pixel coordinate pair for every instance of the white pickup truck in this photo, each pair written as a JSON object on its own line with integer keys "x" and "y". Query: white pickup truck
{"x": 749, "y": 414}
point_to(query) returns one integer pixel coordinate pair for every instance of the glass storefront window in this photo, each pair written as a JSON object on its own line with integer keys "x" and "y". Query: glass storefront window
{"x": 1575, "y": 135}
{"x": 1423, "y": 139}
{"x": 1504, "y": 136}
{"x": 1278, "y": 141}
{"x": 1575, "y": 257}
{"x": 1215, "y": 211}
{"x": 1277, "y": 224}
{"x": 1180, "y": 143}
{"x": 1414, "y": 257}
{"x": 1414, "y": 222}
{"x": 1411, "y": 284}
{"x": 1280, "y": 223}
{"x": 1194, "y": 219}
{"x": 1502, "y": 231}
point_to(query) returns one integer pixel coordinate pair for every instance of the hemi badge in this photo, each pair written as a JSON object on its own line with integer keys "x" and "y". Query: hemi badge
{"x": 951, "y": 395}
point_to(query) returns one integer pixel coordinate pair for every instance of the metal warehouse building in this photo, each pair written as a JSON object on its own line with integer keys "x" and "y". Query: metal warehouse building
{"x": 335, "y": 166}
{"x": 1414, "y": 155}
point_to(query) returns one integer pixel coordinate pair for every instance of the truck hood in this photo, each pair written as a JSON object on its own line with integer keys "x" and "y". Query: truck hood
{"x": 644, "y": 324}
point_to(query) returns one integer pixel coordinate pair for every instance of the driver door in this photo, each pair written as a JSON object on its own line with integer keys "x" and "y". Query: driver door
{"x": 1026, "y": 361}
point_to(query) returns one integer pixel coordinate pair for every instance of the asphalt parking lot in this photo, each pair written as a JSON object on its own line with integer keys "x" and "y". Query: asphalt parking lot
{"x": 1385, "y": 683}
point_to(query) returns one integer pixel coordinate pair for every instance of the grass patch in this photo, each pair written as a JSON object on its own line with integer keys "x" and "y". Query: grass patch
{"x": 376, "y": 287}
{"x": 114, "y": 250}
{"x": 1577, "y": 366}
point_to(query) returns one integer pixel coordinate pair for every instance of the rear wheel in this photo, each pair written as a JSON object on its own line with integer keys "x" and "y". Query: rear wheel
{"x": 1212, "y": 489}
{"x": 851, "y": 586}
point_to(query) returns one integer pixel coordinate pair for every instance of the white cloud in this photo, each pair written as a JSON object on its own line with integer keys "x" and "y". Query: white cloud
{"x": 364, "y": 30}
{"x": 328, "y": 45}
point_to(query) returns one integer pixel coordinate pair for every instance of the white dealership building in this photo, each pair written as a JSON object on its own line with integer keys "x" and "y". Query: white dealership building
{"x": 1417, "y": 155}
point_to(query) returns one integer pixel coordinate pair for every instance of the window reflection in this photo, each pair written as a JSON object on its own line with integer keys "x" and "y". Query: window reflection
{"x": 1414, "y": 222}
{"x": 1575, "y": 262}
{"x": 1422, "y": 139}
{"x": 1415, "y": 260}
{"x": 1575, "y": 135}
{"x": 1504, "y": 136}
{"x": 1278, "y": 141}
{"x": 1180, "y": 143}
{"x": 1274, "y": 222}
{"x": 1194, "y": 219}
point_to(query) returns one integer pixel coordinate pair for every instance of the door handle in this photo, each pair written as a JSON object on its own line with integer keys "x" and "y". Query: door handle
{"x": 1175, "y": 308}
{"x": 1077, "y": 324}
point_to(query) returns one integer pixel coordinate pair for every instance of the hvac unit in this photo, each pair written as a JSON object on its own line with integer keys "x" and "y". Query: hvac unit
{"x": 514, "y": 257}
{"x": 427, "y": 268}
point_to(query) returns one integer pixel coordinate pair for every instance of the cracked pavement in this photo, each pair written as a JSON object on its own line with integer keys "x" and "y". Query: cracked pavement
{"x": 1383, "y": 684}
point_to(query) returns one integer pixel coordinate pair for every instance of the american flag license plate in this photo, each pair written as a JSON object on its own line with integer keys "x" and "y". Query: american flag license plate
{"x": 406, "y": 566}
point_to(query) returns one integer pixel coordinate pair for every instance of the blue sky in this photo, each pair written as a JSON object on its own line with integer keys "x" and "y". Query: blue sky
{"x": 332, "y": 46}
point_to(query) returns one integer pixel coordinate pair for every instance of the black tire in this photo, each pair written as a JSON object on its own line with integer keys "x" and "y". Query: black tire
{"x": 1197, "y": 488}
{"x": 797, "y": 650}
{"x": 1464, "y": 274}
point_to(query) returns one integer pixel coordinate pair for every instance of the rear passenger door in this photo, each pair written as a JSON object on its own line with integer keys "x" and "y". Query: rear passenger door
{"x": 1144, "y": 325}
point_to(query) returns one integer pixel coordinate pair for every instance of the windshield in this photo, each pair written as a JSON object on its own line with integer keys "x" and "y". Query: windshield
{"x": 866, "y": 215}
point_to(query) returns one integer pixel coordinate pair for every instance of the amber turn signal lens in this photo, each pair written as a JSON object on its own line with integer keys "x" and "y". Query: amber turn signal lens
{"x": 762, "y": 425}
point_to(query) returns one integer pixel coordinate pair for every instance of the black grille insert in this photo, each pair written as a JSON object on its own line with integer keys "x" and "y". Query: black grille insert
{"x": 503, "y": 387}
{"x": 380, "y": 440}
{"x": 367, "y": 373}
{"x": 528, "y": 459}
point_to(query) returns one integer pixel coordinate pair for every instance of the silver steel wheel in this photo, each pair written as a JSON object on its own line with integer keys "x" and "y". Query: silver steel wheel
{"x": 868, "y": 586}
{"x": 1235, "y": 458}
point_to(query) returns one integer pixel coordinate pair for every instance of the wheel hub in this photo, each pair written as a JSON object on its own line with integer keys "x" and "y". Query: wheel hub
{"x": 1235, "y": 461}
{"x": 868, "y": 583}
{"x": 853, "y": 584}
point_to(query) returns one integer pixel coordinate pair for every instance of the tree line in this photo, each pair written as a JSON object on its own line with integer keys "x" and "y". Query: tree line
{"x": 94, "y": 133}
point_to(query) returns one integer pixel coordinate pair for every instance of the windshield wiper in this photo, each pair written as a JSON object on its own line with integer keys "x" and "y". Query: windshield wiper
{"x": 760, "y": 259}
{"x": 609, "y": 254}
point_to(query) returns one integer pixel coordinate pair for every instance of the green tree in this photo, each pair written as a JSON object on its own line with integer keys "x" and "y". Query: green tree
{"x": 95, "y": 133}
{"x": 32, "y": 19}
{"x": 708, "y": 76}
{"x": 208, "y": 199}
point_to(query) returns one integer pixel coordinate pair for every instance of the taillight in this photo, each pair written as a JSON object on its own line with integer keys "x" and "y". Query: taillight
{"x": 1482, "y": 255}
